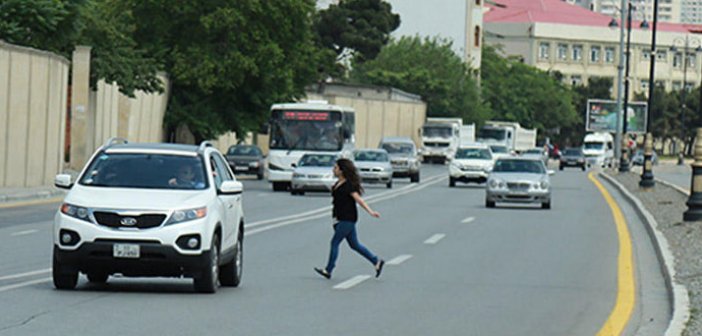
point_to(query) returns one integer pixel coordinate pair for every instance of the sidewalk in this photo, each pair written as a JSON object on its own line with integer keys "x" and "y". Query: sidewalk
{"x": 665, "y": 204}
{"x": 11, "y": 197}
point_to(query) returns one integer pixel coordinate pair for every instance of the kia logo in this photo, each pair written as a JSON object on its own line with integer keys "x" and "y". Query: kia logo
{"x": 128, "y": 221}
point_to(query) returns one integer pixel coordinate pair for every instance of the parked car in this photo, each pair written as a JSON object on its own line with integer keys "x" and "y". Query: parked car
{"x": 472, "y": 163}
{"x": 246, "y": 159}
{"x": 638, "y": 158}
{"x": 313, "y": 172}
{"x": 536, "y": 153}
{"x": 150, "y": 210}
{"x": 572, "y": 157}
{"x": 519, "y": 180}
{"x": 403, "y": 157}
{"x": 374, "y": 166}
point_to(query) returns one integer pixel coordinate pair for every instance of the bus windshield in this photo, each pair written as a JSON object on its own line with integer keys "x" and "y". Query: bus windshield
{"x": 298, "y": 130}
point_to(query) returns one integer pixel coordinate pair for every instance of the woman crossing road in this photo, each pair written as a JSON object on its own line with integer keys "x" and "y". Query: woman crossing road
{"x": 346, "y": 192}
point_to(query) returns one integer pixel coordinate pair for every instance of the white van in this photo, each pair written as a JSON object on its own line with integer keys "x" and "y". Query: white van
{"x": 599, "y": 149}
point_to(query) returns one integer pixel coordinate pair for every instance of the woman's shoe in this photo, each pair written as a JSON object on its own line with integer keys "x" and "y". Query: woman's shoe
{"x": 379, "y": 268}
{"x": 322, "y": 272}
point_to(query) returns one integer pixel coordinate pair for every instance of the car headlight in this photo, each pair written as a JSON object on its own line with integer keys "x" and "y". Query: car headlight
{"x": 180, "y": 216}
{"x": 487, "y": 169}
{"x": 75, "y": 212}
{"x": 496, "y": 184}
{"x": 254, "y": 164}
{"x": 544, "y": 185}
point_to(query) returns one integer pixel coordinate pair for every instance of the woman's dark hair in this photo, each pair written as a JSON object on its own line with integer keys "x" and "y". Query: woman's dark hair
{"x": 350, "y": 174}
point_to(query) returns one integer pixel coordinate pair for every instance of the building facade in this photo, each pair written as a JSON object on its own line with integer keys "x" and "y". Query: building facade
{"x": 555, "y": 36}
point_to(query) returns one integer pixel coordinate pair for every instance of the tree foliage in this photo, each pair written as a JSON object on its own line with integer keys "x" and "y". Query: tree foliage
{"x": 429, "y": 68}
{"x": 59, "y": 25}
{"x": 362, "y": 26}
{"x": 514, "y": 91}
{"x": 228, "y": 60}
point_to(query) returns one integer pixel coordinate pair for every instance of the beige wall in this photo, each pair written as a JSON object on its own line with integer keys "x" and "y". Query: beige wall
{"x": 33, "y": 95}
{"x": 376, "y": 118}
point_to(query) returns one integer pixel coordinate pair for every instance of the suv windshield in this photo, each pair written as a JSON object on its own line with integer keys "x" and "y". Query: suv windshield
{"x": 244, "y": 151}
{"x": 149, "y": 171}
{"x": 519, "y": 166}
{"x": 473, "y": 153}
{"x": 394, "y": 148}
{"x": 370, "y": 156}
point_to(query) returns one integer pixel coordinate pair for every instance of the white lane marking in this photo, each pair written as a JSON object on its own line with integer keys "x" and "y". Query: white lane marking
{"x": 319, "y": 213}
{"x": 435, "y": 239}
{"x": 399, "y": 259}
{"x": 22, "y": 275}
{"x": 22, "y": 233}
{"x": 24, "y": 284}
{"x": 468, "y": 220}
{"x": 352, "y": 282}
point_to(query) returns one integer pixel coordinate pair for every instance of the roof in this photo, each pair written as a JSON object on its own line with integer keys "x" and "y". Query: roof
{"x": 557, "y": 11}
{"x": 153, "y": 148}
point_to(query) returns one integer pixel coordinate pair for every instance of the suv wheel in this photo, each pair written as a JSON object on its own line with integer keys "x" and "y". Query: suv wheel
{"x": 546, "y": 205}
{"x": 280, "y": 186}
{"x": 389, "y": 185}
{"x": 230, "y": 274}
{"x": 64, "y": 277}
{"x": 414, "y": 178}
{"x": 489, "y": 204}
{"x": 209, "y": 279}
{"x": 99, "y": 278}
{"x": 452, "y": 182}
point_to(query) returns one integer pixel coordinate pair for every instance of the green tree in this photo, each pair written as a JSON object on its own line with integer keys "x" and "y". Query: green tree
{"x": 514, "y": 91}
{"x": 665, "y": 113}
{"x": 361, "y": 26}
{"x": 59, "y": 25}
{"x": 228, "y": 60}
{"x": 429, "y": 68}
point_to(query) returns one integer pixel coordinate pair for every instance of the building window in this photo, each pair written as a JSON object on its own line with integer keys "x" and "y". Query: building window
{"x": 689, "y": 86}
{"x": 677, "y": 59}
{"x": 544, "y": 50}
{"x": 677, "y": 85}
{"x": 661, "y": 56}
{"x": 576, "y": 80}
{"x": 595, "y": 54}
{"x": 691, "y": 60}
{"x": 577, "y": 52}
{"x": 477, "y": 36}
{"x": 646, "y": 55}
{"x": 562, "y": 51}
{"x": 609, "y": 55}
{"x": 644, "y": 85}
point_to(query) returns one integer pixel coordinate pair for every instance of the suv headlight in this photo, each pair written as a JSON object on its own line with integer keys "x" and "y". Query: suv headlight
{"x": 253, "y": 164}
{"x": 180, "y": 216}
{"x": 75, "y": 212}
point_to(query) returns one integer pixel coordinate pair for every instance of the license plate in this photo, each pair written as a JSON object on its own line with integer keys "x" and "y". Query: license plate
{"x": 130, "y": 251}
{"x": 240, "y": 168}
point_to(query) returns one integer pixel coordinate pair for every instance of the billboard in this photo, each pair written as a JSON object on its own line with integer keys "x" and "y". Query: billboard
{"x": 602, "y": 116}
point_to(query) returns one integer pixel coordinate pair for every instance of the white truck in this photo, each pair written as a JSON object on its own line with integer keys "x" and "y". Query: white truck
{"x": 598, "y": 149}
{"x": 442, "y": 136}
{"x": 508, "y": 134}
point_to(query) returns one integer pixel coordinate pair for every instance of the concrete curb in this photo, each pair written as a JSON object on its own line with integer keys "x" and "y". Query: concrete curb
{"x": 676, "y": 187}
{"x": 679, "y": 295}
{"x": 18, "y": 198}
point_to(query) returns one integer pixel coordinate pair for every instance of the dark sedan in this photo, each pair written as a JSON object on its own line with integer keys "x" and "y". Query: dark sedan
{"x": 246, "y": 159}
{"x": 572, "y": 157}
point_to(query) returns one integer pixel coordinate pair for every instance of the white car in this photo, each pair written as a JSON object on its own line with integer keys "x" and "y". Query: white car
{"x": 314, "y": 172}
{"x": 519, "y": 180}
{"x": 151, "y": 210}
{"x": 472, "y": 163}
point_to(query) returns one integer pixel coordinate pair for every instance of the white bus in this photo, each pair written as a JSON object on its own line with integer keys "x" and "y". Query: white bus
{"x": 310, "y": 127}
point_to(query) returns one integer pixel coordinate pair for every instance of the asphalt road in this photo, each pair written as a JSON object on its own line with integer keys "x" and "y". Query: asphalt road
{"x": 453, "y": 268}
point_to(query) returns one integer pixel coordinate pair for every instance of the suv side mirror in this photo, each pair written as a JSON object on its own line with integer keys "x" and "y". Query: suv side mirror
{"x": 231, "y": 188}
{"x": 63, "y": 181}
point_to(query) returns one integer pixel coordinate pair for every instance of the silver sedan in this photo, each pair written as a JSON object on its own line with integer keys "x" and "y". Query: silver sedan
{"x": 314, "y": 172}
{"x": 519, "y": 180}
{"x": 374, "y": 166}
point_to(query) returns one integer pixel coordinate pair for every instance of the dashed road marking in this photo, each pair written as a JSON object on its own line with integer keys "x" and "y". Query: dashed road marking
{"x": 435, "y": 239}
{"x": 24, "y": 284}
{"x": 22, "y": 275}
{"x": 352, "y": 282}
{"x": 468, "y": 220}
{"x": 399, "y": 259}
{"x": 22, "y": 233}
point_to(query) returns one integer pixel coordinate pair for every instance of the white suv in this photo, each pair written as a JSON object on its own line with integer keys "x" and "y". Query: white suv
{"x": 151, "y": 210}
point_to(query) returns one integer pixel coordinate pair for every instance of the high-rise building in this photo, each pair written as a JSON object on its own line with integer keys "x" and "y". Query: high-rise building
{"x": 668, "y": 10}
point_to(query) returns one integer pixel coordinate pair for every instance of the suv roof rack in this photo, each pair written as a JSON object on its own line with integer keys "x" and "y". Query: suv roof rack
{"x": 114, "y": 140}
{"x": 204, "y": 145}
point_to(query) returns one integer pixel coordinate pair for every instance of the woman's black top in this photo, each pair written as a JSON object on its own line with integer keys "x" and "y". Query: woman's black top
{"x": 344, "y": 204}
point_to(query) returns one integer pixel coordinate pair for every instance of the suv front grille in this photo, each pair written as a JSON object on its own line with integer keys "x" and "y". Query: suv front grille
{"x": 114, "y": 220}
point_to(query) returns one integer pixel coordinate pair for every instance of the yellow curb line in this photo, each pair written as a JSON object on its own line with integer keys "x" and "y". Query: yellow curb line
{"x": 32, "y": 202}
{"x": 626, "y": 285}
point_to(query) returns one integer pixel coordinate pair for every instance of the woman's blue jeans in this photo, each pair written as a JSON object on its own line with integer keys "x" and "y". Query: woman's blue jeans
{"x": 347, "y": 230}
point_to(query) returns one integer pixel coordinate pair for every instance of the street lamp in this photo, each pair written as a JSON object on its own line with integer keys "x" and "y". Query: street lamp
{"x": 687, "y": 42}
{"x": 624, "y": 160}
{"x": 647, "y": 180}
